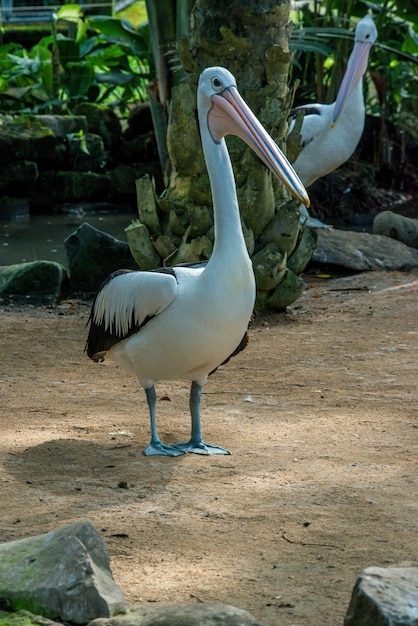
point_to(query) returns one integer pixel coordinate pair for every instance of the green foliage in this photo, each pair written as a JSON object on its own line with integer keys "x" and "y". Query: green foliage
{"x": 135, "y": 14}
{"x": 169, "y": 22}
{"x": 322, "y": 40}
{"x": 86, "y": 58}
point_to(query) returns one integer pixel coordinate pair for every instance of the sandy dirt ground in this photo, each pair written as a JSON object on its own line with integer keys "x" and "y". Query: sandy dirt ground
{"x": 320, "y": 413}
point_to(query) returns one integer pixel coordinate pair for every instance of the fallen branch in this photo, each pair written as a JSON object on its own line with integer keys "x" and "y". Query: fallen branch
{"x": 318, "y": 545}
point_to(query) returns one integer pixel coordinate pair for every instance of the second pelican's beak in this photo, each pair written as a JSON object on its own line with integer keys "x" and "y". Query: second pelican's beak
{"x": 231, "y": 115}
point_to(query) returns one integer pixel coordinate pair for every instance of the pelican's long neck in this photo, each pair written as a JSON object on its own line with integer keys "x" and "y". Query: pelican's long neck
{"x": 350, "y": 99}
{"x": 229, "y": 244}
{"x": 355, "y": 101}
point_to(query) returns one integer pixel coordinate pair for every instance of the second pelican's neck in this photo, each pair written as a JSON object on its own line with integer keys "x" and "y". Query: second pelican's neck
{"x": 354, "y": 109}
{"x": 355, "y": 101}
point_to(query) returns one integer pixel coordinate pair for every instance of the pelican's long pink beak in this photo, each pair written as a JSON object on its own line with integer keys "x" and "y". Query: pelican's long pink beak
{"x": 231, "y": 115}
{"x": 356, "y": 68}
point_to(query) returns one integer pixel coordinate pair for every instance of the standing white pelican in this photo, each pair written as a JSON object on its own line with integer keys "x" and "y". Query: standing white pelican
{"x": 183, "y": 322}
{"x": 330, "y": 132}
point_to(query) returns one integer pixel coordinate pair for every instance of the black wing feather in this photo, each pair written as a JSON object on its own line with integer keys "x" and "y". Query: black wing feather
{"x": 100, "y": 339}
{"x": 242, "y": 345}
{"x": 308, "y": 109}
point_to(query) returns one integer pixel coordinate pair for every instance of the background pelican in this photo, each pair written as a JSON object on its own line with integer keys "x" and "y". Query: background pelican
{"x": 330, "y": 132}
{"x": 183, "y": 322}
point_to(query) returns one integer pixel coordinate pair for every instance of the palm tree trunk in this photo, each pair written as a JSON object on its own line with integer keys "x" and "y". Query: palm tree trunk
{"x": 250, "y": 38}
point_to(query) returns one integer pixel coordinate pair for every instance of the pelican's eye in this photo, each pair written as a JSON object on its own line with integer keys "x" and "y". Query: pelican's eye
{"x": 217, "y": 84}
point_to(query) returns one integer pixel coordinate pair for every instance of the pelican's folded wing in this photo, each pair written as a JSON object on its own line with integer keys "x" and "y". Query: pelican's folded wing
{"x": 125, "y": 302}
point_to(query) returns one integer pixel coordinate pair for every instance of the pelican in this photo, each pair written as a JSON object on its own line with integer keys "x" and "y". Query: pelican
{"x": 181, "y": 323}
{"x": 330, "y": 132}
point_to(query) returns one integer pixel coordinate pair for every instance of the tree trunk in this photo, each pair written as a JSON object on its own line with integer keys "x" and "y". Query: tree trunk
{"x": 250, "y": 38}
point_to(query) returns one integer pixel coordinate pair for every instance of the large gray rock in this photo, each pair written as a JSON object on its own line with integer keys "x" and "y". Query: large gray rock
{"x": 86, "y": 153}
{"x": 396, "y": 226}
{"x": 63, "y": 125}
{"x": 182, "y": 615}
{"x": 64, "y": 574}
{"x": 17, "y": 175}
{"x": 384, "y": 597}
{"x": 92, "y": 255}
{"x": 37, "y": 281}
{"x": 23, "y": 137}
{"x": 55, "y": 187}
{"x": 362, "y": 251}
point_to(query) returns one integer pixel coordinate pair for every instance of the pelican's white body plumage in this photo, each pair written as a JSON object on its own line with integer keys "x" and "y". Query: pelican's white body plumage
{"x": 326, "y": 147}
{"x": 175, "y": 344}
{"x": 330, "y": 132}
{"x": 183, "y": 322}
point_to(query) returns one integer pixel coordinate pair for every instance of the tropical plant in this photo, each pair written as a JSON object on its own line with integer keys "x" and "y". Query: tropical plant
{"x": 169, "y": 23}
{"x": 85, "y": 58}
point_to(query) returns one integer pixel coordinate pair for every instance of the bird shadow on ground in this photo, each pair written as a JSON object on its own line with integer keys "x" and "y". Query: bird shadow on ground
{"x": 93, "y": 472}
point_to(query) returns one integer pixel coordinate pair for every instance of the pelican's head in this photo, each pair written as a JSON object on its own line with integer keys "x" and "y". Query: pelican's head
{"x": 224, "y": 112}
{"x": 364, "y": 38}
{"x": 366, "y": 30}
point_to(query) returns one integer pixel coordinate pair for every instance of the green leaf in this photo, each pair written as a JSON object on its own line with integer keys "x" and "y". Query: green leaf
{"x": 69, "y": 51}
{"x": 102, "y": 55}
{"x": 26, "y": 65}
{"x": 114, "y": 78}
{"x": 45, "y": 76}
{"x": 73, "y": 13}
{"x": 87, "y": 46}
{"x": 115, "y": 31}
{"x": 17, "y": 93}
{"x": 70, "y": 13}
{"x": 410, "y": 45}
{"x": 80, "y": 78}
{"x": 311, "y": 46}
{"x": 111, "y": 26}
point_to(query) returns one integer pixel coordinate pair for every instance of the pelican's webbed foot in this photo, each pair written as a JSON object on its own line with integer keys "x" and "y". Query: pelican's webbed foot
{"x": 313, "y": 222}
{"x": 196, "y": 445}
{"x": 159, "y": 449}
{"x": 200, "y": 447}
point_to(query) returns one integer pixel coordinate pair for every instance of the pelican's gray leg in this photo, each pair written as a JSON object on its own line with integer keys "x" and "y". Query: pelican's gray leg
{"x": 196, "y": 444}
{"x": 156, "y": 447}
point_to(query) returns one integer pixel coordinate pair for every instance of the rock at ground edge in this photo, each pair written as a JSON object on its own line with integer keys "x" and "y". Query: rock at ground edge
{"x": 25, "y": 618}
{"x": 41, "y": 281}
{"x": 384, "y": 597}
{"x": 63, "y": 575}
{"x": 397, "y": 227}
{"x": 363, "y": 252}
{"x": 182, "y": 615}
{"x": 92, "y": 255}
